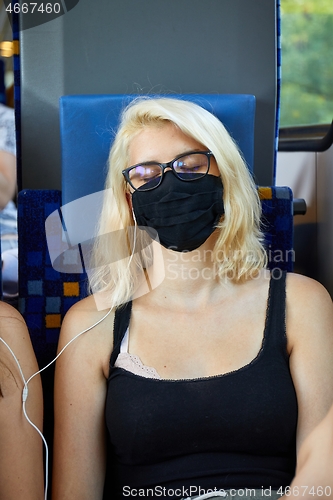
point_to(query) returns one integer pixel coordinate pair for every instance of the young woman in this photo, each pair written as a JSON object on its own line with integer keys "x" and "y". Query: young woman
{"x": 211, "y": 379}
{"x": 21, "y": 448}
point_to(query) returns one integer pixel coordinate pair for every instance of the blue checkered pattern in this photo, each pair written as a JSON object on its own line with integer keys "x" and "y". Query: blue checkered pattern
{"x": 44, "y": 294}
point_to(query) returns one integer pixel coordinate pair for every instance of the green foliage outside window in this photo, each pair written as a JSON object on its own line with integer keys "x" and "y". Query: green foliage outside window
{"x": 307, "y": 62}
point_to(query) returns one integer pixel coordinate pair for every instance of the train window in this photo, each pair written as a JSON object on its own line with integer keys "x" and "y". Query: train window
{"x": 307, "y": 62}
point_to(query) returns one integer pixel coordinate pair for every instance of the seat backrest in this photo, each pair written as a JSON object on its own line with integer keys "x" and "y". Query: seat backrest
{"x": 88, "y": 124}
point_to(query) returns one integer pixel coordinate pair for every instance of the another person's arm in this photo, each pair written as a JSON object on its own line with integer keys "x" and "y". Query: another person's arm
{"x": 7, "y": 155}
{"x": 80, "y": 393}
{"x": 7, "y": 177}
{"x": 21, "y": 447}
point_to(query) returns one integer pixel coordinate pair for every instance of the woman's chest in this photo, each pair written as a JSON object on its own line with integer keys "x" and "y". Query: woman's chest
{"x": 190, "y": 346}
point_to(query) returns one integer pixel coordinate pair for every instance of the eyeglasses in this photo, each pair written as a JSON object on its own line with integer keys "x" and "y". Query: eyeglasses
{"x": 187, "y": 167}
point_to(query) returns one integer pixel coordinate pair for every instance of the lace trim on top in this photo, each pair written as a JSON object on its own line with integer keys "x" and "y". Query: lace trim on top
{"x": 133, "y": 363}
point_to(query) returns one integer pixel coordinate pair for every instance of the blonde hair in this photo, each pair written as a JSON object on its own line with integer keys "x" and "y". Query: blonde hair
{"x": 238, "y": 252}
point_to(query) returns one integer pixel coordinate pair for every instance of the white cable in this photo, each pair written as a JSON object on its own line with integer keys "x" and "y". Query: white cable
{"x": 217, "y": 493}
{"x": 74, "y": 338}
{"x": 134, "y": 241}
{"x": 46, "y": 450}
{"x": 25, "y": 391}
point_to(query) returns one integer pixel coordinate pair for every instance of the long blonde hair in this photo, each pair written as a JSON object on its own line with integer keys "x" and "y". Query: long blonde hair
{"x": 238, "y": 253}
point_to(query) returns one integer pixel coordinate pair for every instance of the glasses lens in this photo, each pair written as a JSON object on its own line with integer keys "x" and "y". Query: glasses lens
{"x": 145, "y": 177}
{"x": 191, "y": 167}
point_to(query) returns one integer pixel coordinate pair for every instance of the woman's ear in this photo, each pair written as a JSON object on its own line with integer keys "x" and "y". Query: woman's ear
{"x": 129, "y": 201}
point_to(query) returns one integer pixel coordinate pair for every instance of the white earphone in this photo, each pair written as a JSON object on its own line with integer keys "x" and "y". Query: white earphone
{"x": 25, "y": 391}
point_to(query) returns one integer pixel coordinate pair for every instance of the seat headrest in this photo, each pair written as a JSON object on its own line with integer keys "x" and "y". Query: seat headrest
{"x": 88, "y": 124}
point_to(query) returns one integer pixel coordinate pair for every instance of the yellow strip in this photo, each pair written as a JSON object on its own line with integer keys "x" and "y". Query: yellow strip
{"x": 16, "y": 47}
{"x": 265, "y": 193}
{"x": 71, "y": 289}
{"x": 53, "y": 320}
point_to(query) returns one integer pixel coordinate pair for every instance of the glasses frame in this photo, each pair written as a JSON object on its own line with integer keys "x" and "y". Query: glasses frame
{"x": 163, "y": 166}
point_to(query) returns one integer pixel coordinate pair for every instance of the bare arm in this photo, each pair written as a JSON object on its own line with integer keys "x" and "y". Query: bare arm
{"x": 80, "y": 392}
{"x": 310, "y": 334}
{"x": 7, "y": 177}
{"x": 21, "y": 451}
{"x": 314, "y": 474}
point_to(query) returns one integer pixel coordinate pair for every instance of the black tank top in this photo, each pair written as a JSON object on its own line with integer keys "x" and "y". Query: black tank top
{"x": 236, "y": 430}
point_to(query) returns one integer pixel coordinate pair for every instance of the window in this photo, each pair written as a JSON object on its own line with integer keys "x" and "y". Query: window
{"x": 307, "y": 62}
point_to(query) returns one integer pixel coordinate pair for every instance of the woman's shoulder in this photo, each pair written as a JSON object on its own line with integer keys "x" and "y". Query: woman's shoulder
{"x": 14, "y": 333}
{"x": 304, "y": 291}
{"x": 87, "y": 308}
{"x": 12, "y": 323}
{"x": 309, "y": 308}
{"x": 86, "y": 315}
{"x": 8, "y": 311}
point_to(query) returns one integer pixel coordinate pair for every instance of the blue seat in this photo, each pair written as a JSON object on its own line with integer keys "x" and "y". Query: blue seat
{"x": 88, "y": 124}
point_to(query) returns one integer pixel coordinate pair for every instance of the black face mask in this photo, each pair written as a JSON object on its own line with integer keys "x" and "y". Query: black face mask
{"x": 184, "y": 214}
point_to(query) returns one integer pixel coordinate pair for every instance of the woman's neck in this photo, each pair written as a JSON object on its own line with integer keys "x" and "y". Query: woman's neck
{"x": 186, "y": 279}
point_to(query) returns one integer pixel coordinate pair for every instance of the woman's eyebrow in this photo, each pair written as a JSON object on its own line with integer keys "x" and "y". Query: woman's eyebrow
{"x": 196, "y": 150}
